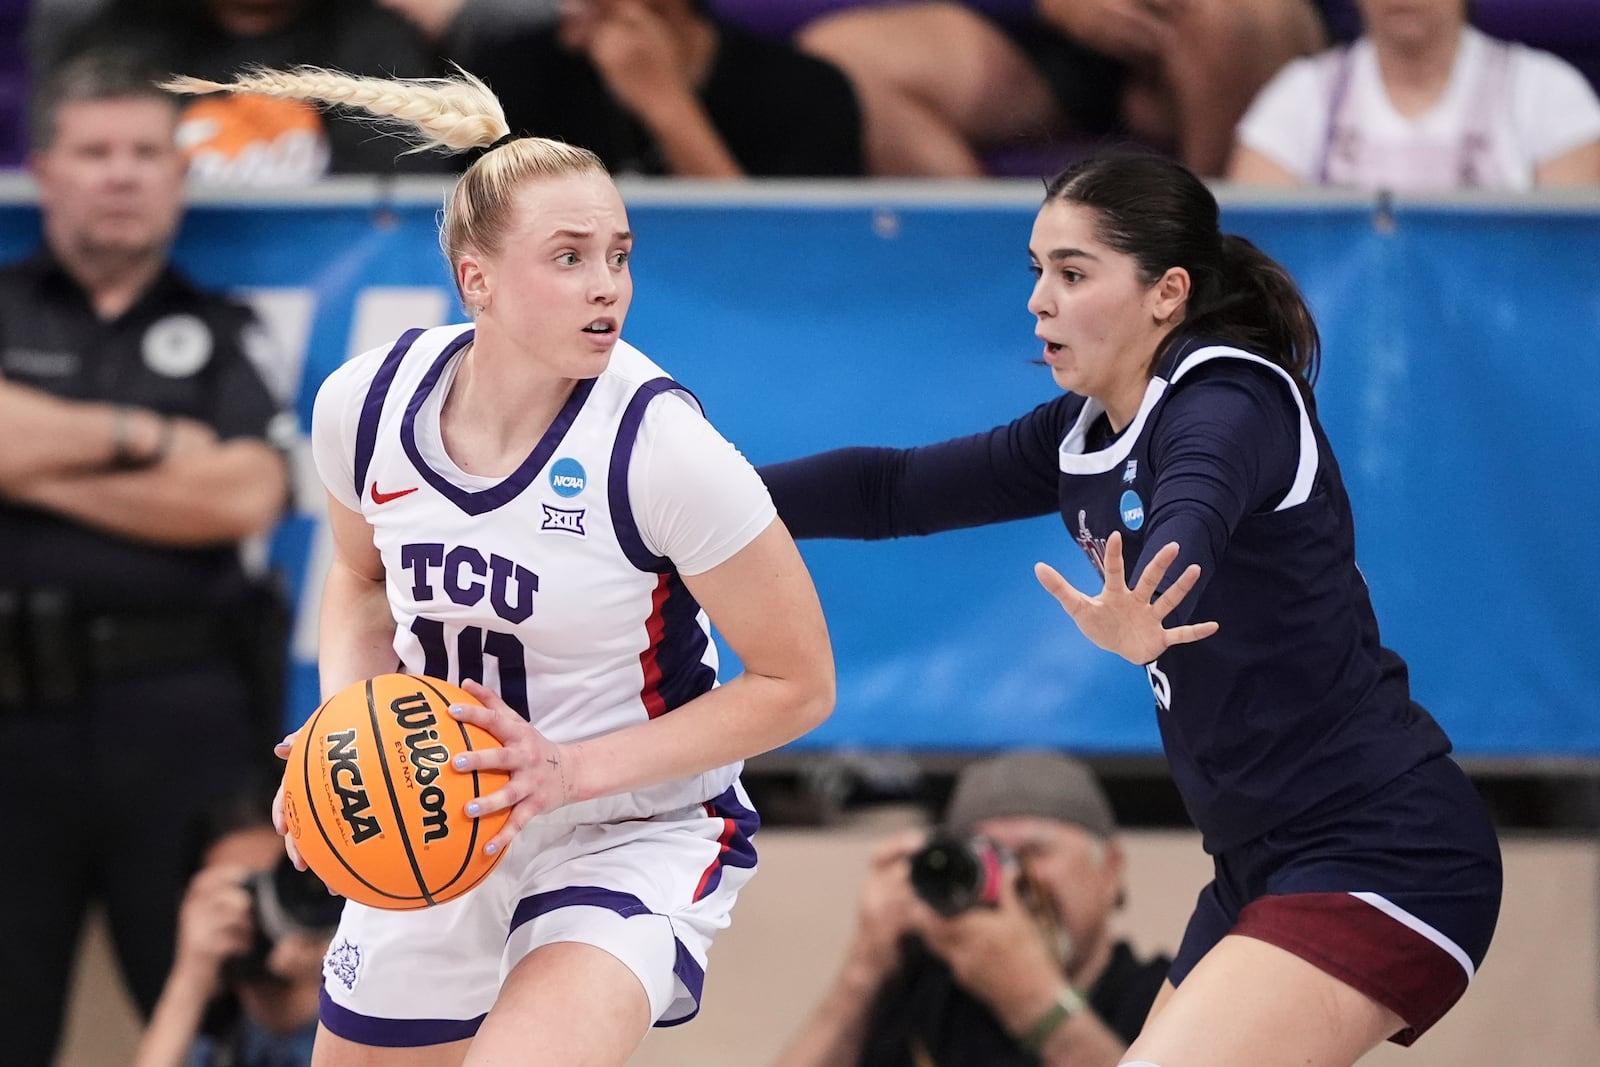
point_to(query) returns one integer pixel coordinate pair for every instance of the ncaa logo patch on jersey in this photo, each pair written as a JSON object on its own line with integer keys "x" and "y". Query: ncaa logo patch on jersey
{"x": 567, "y": 477}
{"x": 1131, "y": 509}
{"x": 176, "y": 346}
{"x": 563, "y": 520}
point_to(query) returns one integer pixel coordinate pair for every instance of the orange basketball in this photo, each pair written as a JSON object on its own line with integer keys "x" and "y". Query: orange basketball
{"x": 373, "y": 803}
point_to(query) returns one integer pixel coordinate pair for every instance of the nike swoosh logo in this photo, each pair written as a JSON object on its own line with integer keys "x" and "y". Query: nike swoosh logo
{"x": 384, "y": 498}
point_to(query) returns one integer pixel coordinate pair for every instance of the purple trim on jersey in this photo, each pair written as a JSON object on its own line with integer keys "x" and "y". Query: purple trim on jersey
{"x": 680, "y": 653}
{"x": 392, "y": 1033}
{"x": 674, "y": 669}
{"x": 593, "y": 896}
{"x": 736, "y": 849}
{"x": 693, "y": 977}
{"x": 506, "y": 490}
{"x": 684, "y": 965}
{"x": 372, "y": 407}
{"x": 622, "y": 521}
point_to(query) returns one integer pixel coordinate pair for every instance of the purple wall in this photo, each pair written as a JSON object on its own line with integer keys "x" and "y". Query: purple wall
{"x": 13, "y": 81}
{"x": 779, "y": 18}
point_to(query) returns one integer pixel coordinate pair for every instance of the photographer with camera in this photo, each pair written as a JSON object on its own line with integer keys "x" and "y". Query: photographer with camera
{"x": 989, "y": 942}
{"x": 252, "y": 933}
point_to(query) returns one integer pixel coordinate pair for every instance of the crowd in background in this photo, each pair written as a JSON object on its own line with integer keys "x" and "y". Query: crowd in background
{"x": 1264, "y": 91}
{"x": 1497, "y": 94}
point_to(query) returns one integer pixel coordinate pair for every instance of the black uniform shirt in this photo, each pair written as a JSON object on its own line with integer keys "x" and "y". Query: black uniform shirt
{"x": 922, "y": 1007}
{"x": 781, "y": 113}
{"x": 177, "y": 350}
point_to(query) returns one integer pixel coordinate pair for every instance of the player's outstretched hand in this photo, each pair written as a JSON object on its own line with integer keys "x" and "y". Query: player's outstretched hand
{"x": 538, "y": 766}
{"x": 1129, "y": 621}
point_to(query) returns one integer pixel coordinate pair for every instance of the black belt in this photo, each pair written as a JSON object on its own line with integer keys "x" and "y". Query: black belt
{"x": 49, "y": 651}
{"x": 117, "y": 643}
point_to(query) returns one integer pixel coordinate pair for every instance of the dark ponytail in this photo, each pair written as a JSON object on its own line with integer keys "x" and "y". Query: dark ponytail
{"x": 1157, "y": 211}
{"x": 1259, "y": 308}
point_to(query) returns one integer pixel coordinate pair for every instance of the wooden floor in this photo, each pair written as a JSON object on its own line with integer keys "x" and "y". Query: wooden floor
{"x": 1536, "y": 1002}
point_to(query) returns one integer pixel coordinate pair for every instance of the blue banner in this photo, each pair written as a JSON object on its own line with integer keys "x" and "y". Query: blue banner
{"x": 1460, "y": 383}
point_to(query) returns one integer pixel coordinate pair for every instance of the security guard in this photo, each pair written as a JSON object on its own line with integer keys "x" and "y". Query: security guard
{"x": 136, "y": 455}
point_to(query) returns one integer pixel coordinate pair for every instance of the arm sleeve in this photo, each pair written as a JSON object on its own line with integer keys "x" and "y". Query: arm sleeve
{"x": 696, "y": 499}
{"x": 334, "y": 420}
{"x": 867, "y": 494}
{"x": 1289, "y": 118}
{"x": 1227, "y": 446}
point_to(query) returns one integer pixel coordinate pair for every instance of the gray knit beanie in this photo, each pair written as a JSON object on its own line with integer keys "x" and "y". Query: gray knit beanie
{"x": 1042, "y": 784}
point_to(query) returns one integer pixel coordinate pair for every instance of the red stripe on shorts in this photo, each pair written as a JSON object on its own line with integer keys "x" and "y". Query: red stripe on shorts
{"x": 729, "y": 828}
{"x": 1366, "y": 949}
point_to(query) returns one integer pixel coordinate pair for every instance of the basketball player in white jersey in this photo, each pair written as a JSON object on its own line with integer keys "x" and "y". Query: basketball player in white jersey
{"x": 528, "y": 506}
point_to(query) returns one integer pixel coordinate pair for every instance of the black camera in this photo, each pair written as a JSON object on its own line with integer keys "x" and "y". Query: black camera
{"x": 284, "y": 900}
{"x": 952, "y": 873}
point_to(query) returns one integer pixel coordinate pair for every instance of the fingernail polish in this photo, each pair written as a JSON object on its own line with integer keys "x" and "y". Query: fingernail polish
{"x": 473, "y": 808}
{"x": 460, "y": 762}
{"x": 455, "y": 709}
{"x": 491, "y": 848}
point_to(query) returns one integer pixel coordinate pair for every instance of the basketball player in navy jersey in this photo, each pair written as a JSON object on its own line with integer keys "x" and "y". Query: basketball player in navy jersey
{"x": 1358, "y": 876}
{"x": 528, "y": 506}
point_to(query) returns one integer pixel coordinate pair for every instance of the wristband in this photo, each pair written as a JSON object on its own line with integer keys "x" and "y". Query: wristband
{"x": 163, "y": 440}
{"x": 1069, "y": 1002}
{"x": 120, "y": 432}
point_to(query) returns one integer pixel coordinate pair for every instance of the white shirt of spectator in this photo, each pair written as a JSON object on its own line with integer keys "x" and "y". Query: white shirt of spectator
{"x": 1507, "y": 108}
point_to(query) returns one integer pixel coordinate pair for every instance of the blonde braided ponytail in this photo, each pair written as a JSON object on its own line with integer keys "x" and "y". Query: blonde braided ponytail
{"x": 448, "y": 115}
{"x": 439, "y": 114}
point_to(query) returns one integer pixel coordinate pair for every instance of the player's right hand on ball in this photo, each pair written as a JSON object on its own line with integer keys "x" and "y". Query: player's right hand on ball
{"x": 538, "y": 767}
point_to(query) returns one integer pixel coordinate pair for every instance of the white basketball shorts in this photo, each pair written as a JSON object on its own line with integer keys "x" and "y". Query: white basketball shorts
{"x": 652, "y": 892}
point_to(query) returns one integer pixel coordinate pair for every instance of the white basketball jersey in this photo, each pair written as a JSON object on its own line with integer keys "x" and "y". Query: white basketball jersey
{"x": 538, "y": 584}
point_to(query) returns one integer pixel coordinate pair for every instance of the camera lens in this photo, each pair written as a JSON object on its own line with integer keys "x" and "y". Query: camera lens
{"x": 952, "y": 874}
{"x": 282, "y": 901}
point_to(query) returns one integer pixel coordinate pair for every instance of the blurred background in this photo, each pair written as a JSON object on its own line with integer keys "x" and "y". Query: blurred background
{"x": 830, "y": 260}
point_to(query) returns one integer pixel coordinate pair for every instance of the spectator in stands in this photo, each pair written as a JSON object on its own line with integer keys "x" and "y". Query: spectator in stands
{"x": 1422, "y": 101}
{"x": 251, "y": 141}
{"x": 659, "y": 87}
{"x": 134, "y": 460}
{"x": 52, "y": 25}
{"x": 247, "y": 970}
{"x": 1017, "y": 983}
{"x": 457, "y": 27}
{"x": 942, "y": 83}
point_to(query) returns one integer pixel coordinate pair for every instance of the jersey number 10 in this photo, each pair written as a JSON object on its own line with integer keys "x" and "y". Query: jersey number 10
{"x": 474, "y": 643}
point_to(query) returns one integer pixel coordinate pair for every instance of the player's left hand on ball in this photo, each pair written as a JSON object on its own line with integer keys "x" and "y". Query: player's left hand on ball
{"x": 537, "y": 765}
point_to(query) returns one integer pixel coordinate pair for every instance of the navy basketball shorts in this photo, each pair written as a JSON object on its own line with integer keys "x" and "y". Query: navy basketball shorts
{"x": 1396, "y": 894}
{"x": 652, "y": 891}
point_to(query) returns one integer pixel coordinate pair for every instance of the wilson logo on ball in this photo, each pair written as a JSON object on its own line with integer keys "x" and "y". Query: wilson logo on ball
{"x": 426, "y": 756}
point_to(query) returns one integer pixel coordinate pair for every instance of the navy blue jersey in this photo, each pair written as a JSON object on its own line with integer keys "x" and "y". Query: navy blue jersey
{"x": 1294, "y": 702}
